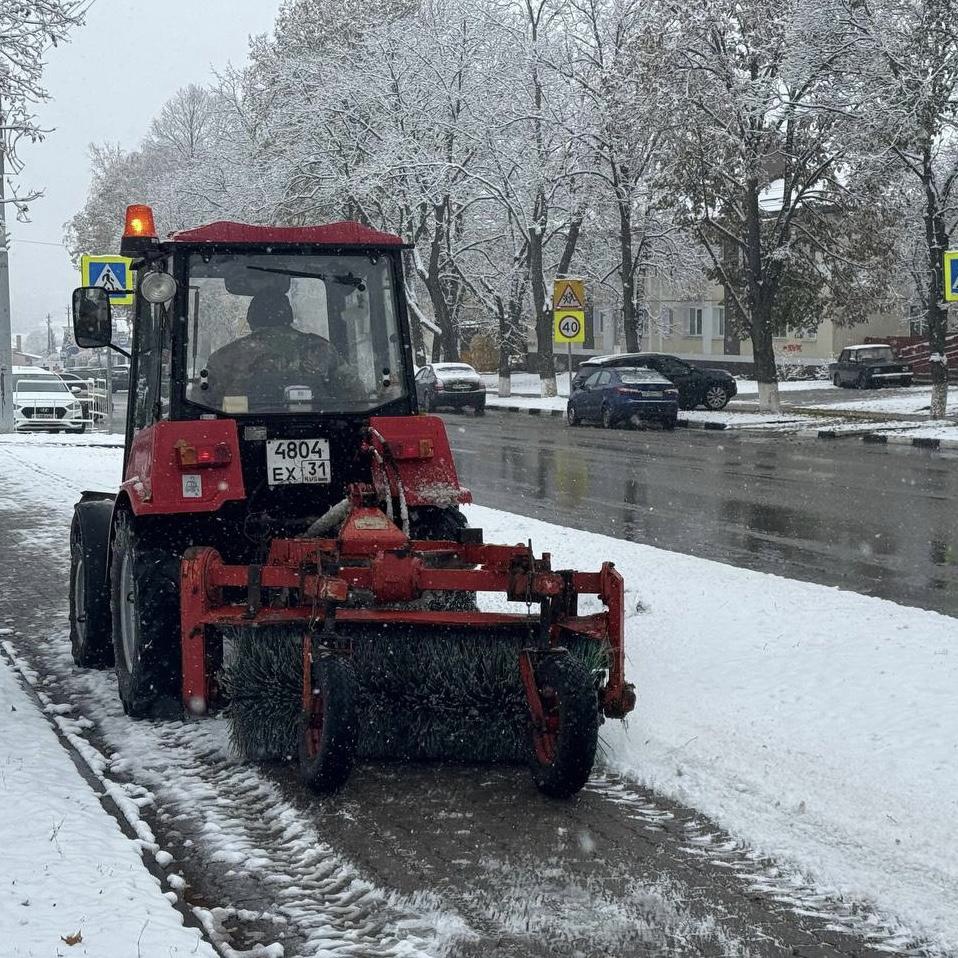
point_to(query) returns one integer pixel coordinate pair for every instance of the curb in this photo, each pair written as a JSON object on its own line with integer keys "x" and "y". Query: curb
{"x": 699, "y": 424}
{"x": 919, "y": 442}
{"x": 530, "y": 410}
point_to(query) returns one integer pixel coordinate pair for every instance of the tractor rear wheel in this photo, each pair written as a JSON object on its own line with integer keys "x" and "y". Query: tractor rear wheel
{"x": 563, "y": 752}
{"x": 90, "y": 636}
{"x": 327, "y": 734}
{"x": 145, "y": 593}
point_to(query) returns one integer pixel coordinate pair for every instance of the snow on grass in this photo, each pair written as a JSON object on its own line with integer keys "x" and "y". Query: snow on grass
{"x": 911, "y": 401}
{"x": 821, "y": 726}
{"x": 72, "y": 882}
{"x": 750, "y": 420}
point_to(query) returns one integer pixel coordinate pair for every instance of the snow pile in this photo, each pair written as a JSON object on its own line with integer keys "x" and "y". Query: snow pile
{"x": 819, "y": 725}
{"x": 70, "y": 882}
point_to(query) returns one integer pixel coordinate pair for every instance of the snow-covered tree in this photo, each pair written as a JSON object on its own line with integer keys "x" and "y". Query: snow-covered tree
{"x": 27, "y": 31}
{"x": 909, "y": 51}
{"x": 761, "y": 153}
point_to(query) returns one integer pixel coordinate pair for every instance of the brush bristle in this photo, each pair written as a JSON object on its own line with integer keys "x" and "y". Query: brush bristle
{"x": 425, "y": 694}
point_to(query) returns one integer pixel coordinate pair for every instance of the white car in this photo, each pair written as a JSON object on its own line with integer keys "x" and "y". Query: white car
{"x": 43, "y": 401}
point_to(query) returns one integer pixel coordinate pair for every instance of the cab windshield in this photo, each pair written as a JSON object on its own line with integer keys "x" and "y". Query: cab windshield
{"x": 289, "y": 333}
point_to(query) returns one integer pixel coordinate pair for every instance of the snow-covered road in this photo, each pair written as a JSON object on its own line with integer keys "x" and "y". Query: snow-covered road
{"x": 813, "y": 725}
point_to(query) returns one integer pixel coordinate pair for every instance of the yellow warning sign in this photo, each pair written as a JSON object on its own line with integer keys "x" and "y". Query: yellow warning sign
{"x": 568, "y": 294}
{"x": 568, "y": 326}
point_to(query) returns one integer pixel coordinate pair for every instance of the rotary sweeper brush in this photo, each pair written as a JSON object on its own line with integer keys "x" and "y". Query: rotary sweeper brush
{"x": 287, "y": 542}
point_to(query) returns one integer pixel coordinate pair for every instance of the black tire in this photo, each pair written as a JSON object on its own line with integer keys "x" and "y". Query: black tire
{"x": 670, "y": 424}
{"x": 862, "y": 381}
{"x": 82, "y": 428}
{"x": 716, "y": 397}
{"x": 562, "y": 762}
{"x": 571, "y": 416}
{"x": 837, "y": 380}
{"x": 91, "y": 638}
{"x": 327, "y": 736}
{"x": 606, "y": 418}
{"x": 145, "y": 606}
{"x": 479, "y": 410}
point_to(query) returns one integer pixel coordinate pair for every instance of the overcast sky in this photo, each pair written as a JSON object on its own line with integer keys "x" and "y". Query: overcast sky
{"x": 107, "y": 84}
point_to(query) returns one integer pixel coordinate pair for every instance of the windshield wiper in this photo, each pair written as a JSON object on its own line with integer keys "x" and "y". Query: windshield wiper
{"x": 357, "y": 282}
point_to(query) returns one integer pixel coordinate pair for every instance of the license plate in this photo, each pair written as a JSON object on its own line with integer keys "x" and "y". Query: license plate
{"x": 651, "y": 394}
{"x": 297, "y": 461}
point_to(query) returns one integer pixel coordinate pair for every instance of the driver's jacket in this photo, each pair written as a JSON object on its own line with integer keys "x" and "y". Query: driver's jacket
{"x": 253, "y": 371}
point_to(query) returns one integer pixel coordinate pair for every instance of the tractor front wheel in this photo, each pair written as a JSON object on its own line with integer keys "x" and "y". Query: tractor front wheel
{"x": 563, "y": 750}
{"x": 145, "y": 593}
{"x": 327, "y": 733}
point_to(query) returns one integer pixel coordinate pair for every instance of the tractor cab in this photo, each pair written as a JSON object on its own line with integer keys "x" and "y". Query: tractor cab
{"x": 271, "y": 349}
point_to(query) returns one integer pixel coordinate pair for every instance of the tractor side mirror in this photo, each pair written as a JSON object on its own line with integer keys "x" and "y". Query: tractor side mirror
{"x": 92, "y": 319}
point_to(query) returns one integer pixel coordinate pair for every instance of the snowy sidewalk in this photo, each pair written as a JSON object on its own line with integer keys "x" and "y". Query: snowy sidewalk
{"x": 71, "y": 883}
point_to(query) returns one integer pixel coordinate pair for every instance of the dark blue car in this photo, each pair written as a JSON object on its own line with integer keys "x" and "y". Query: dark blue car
{"x": 612, "y": 396}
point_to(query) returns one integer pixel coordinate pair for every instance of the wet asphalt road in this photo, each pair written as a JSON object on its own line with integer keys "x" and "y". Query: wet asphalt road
{"x": 880, "y": 520}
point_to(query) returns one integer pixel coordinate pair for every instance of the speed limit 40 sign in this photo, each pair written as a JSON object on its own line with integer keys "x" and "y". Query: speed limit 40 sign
{"x": 569, "y": 326}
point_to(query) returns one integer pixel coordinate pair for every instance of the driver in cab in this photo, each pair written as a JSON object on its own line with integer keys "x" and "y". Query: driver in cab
{"x": 256, "y": 370}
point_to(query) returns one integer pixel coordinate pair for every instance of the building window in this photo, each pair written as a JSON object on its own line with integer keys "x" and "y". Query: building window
{"x": 665, "y": 320}
{"x": 720, "y": 322}
{"x": 695, "y": 321}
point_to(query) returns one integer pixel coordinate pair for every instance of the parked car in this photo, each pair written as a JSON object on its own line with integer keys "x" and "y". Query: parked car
{"x": 611, "y": 396}
{"x": 870, "y": 366}
{"x": 450, "y": 384}
{"x": 84, "y": 388}
{"x": 712, "y": 388}
{"x": 119, "y": 377}
{"x": 43, "y": 401}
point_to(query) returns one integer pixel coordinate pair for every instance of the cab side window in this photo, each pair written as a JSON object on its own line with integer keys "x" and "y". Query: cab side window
{"x": 592, "y": 381}
{"x": 152, "y": 396}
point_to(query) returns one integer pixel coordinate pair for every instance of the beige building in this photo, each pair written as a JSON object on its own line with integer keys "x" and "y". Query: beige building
{"x": 695, "y": 330}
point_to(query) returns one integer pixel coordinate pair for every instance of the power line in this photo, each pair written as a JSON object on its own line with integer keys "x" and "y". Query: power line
{"x": 14, "y": 241}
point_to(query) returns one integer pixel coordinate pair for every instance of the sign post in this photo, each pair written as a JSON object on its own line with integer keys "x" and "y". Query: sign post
{"x": 568, "y": 315}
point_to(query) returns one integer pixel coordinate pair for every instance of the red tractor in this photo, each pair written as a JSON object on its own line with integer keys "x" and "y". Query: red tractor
{"x": 286, "y": 539}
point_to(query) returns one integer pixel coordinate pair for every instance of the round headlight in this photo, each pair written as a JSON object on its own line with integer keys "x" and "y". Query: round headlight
{"x": 158, "y": 287}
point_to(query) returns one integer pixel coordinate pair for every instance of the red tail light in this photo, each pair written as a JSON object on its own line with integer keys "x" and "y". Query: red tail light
{"x": 626, "y": 391}
{"x": 198, "y": 457}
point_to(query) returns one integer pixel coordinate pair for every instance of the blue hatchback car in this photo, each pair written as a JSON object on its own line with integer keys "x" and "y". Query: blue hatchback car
{"x": 611, "y": 396}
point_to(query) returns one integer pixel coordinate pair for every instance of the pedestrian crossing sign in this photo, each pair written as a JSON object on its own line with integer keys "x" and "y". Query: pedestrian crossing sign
{"x": 112, "y": 273}
{"x": 951, "y": 276}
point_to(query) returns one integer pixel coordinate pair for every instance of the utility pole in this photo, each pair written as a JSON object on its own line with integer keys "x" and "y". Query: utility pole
{"x": 6, "y": 347}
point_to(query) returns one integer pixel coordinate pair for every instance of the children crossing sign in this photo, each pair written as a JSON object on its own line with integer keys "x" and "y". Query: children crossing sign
{"x": 568, "y": 294}
{"x": 112, "y": 273}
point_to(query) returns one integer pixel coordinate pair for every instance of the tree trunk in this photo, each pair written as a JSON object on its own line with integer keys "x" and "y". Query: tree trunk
{"x": 630, "y": 321}
{"x": 545, "y": 360}
{"x": 505, "y": 373}
{"x": 936, "y": 240}
{"x": 763, "y": 354}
